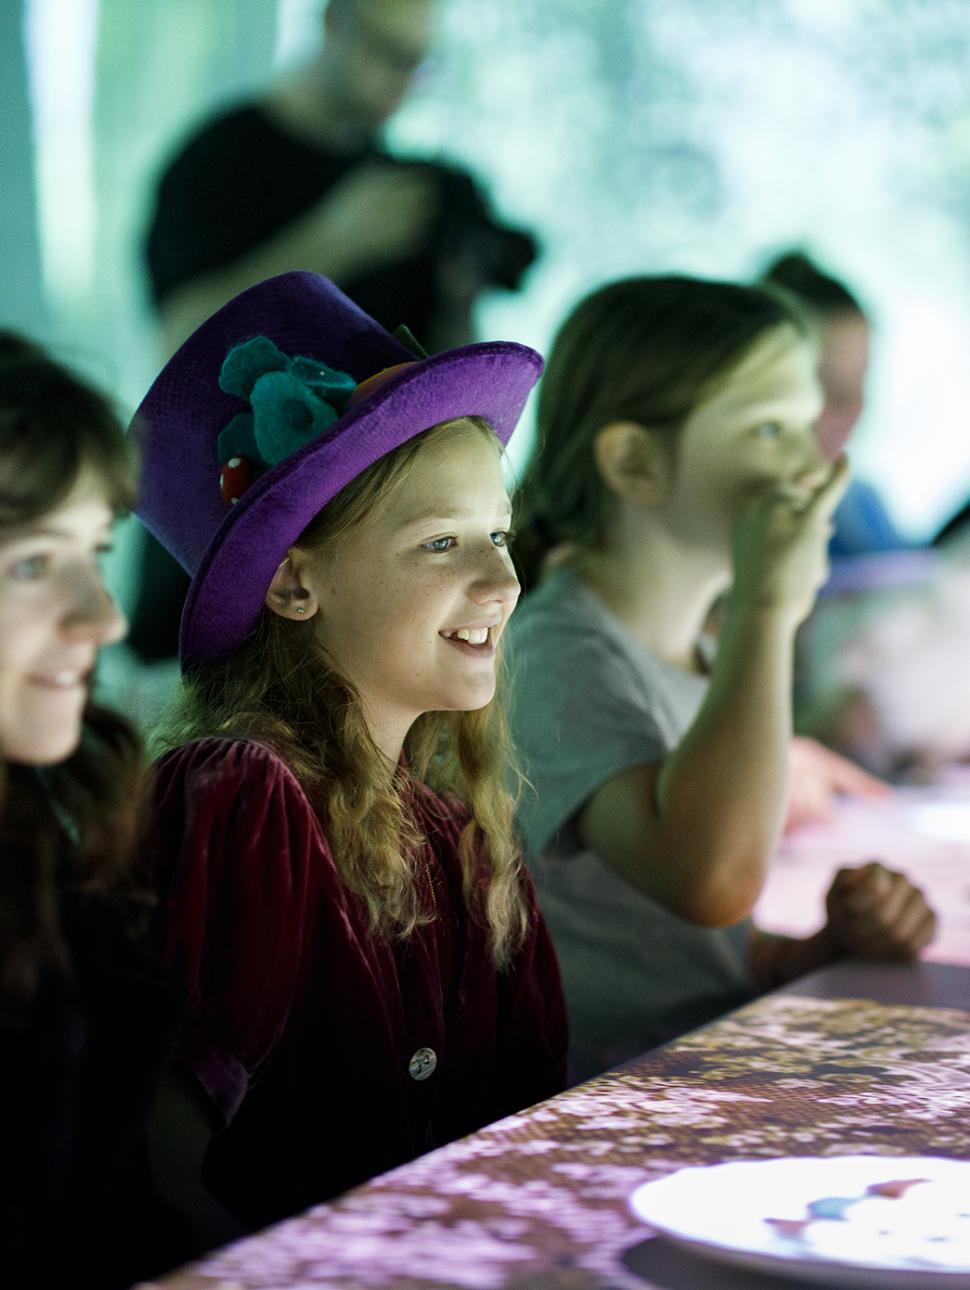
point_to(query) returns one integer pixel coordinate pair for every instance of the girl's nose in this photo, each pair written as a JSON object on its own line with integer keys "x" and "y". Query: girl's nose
{"x": 496, "y": 579}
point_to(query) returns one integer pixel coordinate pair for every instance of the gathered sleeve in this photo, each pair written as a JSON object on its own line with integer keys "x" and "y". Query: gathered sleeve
{"x": 232, "y": 841}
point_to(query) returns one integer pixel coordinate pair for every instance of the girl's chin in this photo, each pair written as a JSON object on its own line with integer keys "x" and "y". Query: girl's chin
{"x": 467, "y": 702}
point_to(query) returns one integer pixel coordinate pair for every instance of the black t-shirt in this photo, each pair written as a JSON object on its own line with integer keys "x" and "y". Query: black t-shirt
{"x": 233, "y": 185}
{"x": 242, "y": 178}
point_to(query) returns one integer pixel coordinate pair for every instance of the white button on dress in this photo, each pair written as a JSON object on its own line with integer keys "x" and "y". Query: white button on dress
{"x": 423, "y": 1063}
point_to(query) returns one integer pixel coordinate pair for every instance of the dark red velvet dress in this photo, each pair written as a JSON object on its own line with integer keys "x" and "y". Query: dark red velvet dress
{"x": 331, "y": 1055}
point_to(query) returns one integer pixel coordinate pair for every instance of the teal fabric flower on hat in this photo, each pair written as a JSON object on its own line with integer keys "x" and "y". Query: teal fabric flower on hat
{"x": 293, "y": 400}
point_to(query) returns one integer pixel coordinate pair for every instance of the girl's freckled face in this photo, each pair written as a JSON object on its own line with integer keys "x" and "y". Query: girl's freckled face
{"x": 430, "y": 561}
{"x": 758, "y": 430}
{"x": 54, "y": 615}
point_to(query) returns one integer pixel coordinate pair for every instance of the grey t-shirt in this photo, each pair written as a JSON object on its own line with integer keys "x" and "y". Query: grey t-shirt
{"x": 588, "y": 701}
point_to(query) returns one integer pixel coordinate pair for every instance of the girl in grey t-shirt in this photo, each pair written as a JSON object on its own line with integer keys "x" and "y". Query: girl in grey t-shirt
{"x": 677, "y": 464}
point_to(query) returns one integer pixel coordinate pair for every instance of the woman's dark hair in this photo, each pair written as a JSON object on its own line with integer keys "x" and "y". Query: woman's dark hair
{"x": 72, "y": 825}
{"x": 821, "y": 293}
{"x": 51, "y": 425}
{"x": 648, "y": 350}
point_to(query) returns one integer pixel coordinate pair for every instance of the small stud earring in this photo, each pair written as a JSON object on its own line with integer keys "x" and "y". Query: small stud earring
{"x": 301, "y": 609}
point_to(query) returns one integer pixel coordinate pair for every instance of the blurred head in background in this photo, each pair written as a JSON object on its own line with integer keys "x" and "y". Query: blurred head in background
{"x": 844, "y": 343}
{"x": 371, "y": 53}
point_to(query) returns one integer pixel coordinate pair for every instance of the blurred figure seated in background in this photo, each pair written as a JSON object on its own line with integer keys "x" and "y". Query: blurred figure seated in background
{"x": 862, "y": 522}
{"x": 883, "y": 662}
{"x": 881, "y": 665}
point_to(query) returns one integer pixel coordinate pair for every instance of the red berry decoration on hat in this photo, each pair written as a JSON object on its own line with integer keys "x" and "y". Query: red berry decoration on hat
{"x": 237, "y": 475}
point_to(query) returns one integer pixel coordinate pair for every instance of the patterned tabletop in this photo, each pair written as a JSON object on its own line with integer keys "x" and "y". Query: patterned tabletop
{"x": 539, "y": 1201}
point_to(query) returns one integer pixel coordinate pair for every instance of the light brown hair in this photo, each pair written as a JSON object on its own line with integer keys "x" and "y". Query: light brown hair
{"x": 647, "y": 350}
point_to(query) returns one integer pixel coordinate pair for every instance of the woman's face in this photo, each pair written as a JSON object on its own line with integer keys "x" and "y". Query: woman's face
{"x": 412, "y": 602}
{"x": 842, "y": 366}
{"x": 757, "y": 431}
{"x": 54, "y": 615}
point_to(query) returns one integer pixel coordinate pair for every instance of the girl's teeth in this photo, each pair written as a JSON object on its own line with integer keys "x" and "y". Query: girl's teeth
{"x": 473, "y": 635}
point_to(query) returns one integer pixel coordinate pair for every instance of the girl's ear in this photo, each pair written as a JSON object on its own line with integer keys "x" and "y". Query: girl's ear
{"x": 288, "y": 594}
{"x": 634, "y": 462}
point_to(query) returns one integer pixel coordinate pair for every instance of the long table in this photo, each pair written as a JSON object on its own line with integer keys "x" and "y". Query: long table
{"x": 853, "y": 1059}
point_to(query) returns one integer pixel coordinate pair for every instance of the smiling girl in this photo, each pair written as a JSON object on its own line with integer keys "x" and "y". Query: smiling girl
{"x": 333, "y": 833}
{"x": 87, "y": 1021}
{"x": 677, "y": 463}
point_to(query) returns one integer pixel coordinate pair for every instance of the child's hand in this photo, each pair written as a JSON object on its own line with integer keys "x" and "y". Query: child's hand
{"x": 877, "y": 913}
{"x": 817, "y": 777}
{"x": 780, "y": 542}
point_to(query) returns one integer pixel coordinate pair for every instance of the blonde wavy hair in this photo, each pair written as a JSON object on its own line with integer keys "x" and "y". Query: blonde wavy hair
{"x": 276, "y": 690}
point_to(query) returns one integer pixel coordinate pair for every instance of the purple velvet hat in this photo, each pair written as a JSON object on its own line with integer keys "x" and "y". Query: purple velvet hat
{"x": 232, "y": 550}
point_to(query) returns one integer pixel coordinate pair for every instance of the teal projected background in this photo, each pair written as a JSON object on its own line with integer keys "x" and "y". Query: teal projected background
{"x": 632, "y": 134}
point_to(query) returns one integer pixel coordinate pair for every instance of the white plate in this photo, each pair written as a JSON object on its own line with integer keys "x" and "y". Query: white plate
{"x": 756, "y": 1214}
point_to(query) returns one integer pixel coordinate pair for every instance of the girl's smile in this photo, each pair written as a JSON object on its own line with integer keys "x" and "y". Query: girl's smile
{"x": 478, "y": 640}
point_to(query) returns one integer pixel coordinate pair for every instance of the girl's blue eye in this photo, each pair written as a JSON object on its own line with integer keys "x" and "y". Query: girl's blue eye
{"x": 501, "y": 537}
{"x": 30, "y": 568}
{"x": 439, "y": 545}
{"x": 769, "y": 430}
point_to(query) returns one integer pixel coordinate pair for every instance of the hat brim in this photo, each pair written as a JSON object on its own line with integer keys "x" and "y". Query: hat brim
{"x": 490, "y": 380}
